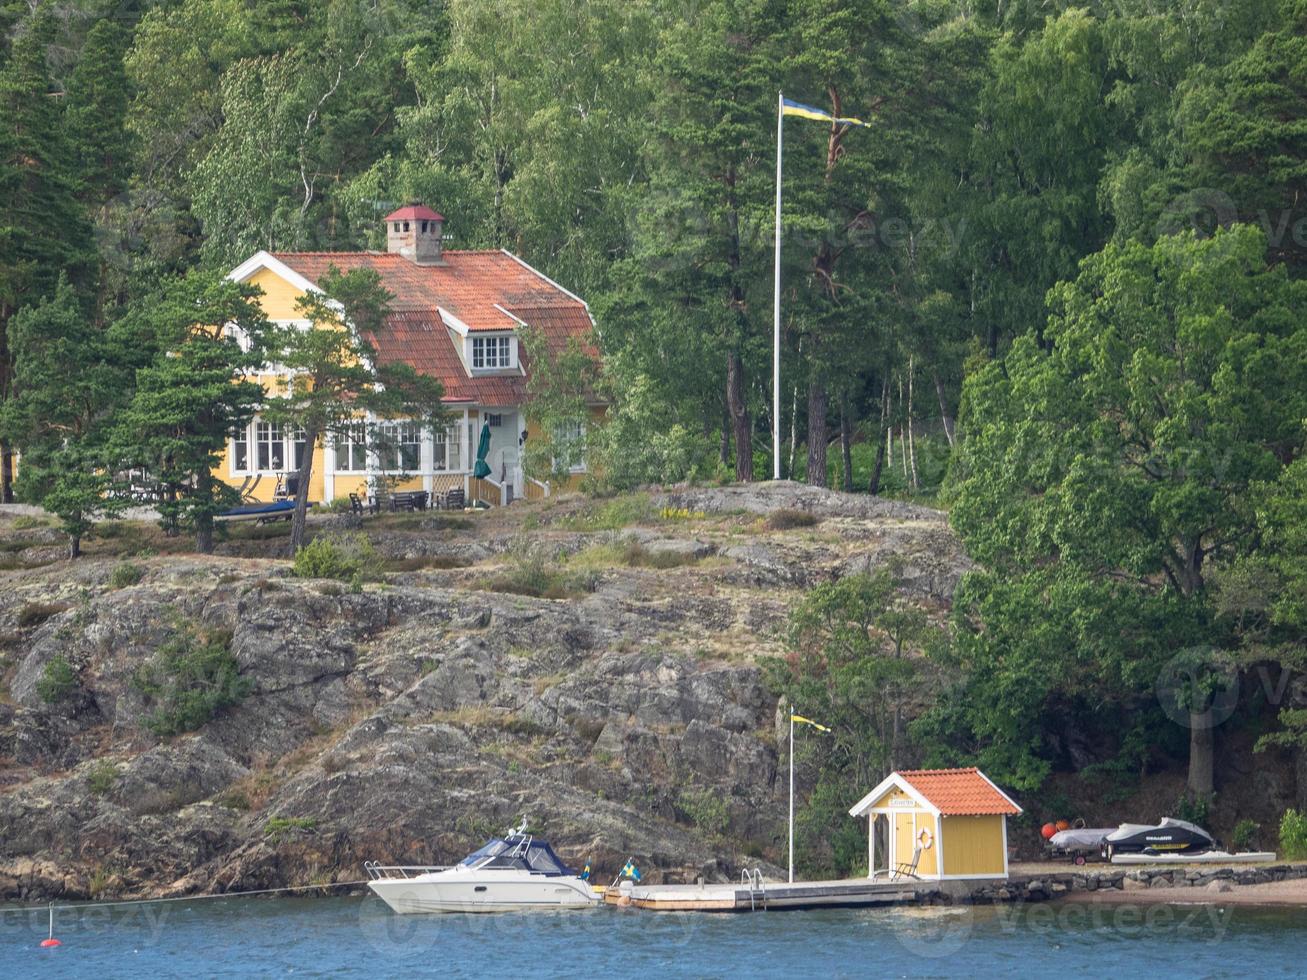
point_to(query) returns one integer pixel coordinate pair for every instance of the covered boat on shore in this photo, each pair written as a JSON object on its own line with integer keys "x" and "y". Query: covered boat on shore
{"x": 1171, "y": 836}
{"x": 515, "y": 872}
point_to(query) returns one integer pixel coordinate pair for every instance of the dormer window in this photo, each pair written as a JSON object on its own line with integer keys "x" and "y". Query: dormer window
{"x": 491, "y": 353}
{"x": 424, "y": 227}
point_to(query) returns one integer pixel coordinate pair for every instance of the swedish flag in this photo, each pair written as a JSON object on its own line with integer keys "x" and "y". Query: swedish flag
{"x": 631, "y": 871}
{"x": 791, "y": 108}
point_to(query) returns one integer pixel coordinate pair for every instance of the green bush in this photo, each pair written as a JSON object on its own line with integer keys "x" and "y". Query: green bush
{"x": 705, "y": 810}
{"x": 342, "y": 556}
{"x": 125, "y": 575}
{"x": 57, "y": 681}
{"x": 102, "y": 778}
{"x": 1293, "y": 835}
{"x": 1194, "y": 809}
{"x": 1244, "y": 835}
{"x": 191, "y": 678}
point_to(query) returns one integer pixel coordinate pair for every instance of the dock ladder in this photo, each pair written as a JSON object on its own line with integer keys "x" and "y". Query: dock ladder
{"x": 752, "y": 879}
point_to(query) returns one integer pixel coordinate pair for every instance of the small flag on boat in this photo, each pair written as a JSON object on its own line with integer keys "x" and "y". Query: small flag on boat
{"x": 585, "y": 872}
{"x": 791, "y": 108}
{"x": 808, "y": 721}
{"x": 631, "y": 871}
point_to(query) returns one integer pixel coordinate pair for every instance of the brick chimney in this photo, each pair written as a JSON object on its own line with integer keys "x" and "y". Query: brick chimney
{"x": 414, "y": 232}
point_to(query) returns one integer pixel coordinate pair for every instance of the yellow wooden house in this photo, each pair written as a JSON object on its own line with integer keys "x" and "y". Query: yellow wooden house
{"x": 456, "y": 316}
{"x": 939, "y": 823}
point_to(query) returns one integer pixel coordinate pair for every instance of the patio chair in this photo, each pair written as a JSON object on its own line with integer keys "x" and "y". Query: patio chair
{"x": 454, "y": 499}
{"x": 907, "y": 869}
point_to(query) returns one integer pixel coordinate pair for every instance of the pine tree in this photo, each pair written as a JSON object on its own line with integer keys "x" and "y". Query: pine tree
{"x": 336, "y": 382}
{"x": 42, "y": 230}
{"x": 193, "y": 393}
{"x": 95, "y": 115}
{"x": 66, "y": 384}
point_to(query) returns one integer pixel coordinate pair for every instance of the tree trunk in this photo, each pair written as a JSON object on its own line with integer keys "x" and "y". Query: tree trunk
{"x": 1202, "y": 753}
{"x": 741, "y": 425}
{"x": 724, "y": 450}
{"x": 6, "y": 474}
{"x": 74, "y": 546}
{"x": 204, "y": 519}
{"x": 943, "y": 408}
{"x": 816, "y": 434}
{"x": 912, "y": 442}
{"x": 302, "y": 496}
{"x": 873, "y": 486}
{"x": 846, "y": 440}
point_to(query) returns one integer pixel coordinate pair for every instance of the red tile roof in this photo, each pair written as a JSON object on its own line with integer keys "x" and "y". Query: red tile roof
{"x": 484, "y": 290}
{"x": 959, "y": 792}
{"x": 412, "y": 211}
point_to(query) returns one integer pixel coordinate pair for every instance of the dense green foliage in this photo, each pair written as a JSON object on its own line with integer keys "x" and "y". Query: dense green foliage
{"x": 192, "y": 676}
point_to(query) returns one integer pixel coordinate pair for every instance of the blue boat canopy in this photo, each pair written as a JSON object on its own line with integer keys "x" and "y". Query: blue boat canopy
{"x": 521, "y": 854}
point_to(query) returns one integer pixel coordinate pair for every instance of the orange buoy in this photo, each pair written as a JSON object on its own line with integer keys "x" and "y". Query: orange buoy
{"x": 50, "y": 942}
{"x": 1047, "y": 831}
{"x": 1064, "y": 825}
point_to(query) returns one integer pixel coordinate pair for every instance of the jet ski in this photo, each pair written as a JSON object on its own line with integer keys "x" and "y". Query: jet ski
{"x": 1171, "y": 836}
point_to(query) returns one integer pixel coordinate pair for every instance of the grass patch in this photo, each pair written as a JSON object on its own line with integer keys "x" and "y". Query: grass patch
{"x": 535, "y": 577}
{"x": 125, "y": 575}
{"x": 191, "y": 678}
{"x": 611, "y": 515}
{"x": 278, "y": 827}
{"x": 26, "y": 522}
{"x": 419, "y": 562}
{"x": 35, "y": 613}
{"x": 630, "y": 553}
{"x": 786, "y": 519}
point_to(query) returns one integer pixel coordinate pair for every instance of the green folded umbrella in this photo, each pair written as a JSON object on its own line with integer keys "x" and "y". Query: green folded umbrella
{"x": 482, "y": 468}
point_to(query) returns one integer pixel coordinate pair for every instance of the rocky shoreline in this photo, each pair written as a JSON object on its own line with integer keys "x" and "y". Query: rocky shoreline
{"x": 406, "y": 719}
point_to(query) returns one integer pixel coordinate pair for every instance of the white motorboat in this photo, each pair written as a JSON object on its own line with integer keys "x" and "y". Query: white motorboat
{"x": 508, "y": 874}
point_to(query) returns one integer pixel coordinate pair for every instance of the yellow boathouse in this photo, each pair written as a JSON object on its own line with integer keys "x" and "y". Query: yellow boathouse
{"x": 938, "y": 824}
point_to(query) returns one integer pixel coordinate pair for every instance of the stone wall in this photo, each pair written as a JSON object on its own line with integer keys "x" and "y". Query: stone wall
{"x": 1040, "y": 887}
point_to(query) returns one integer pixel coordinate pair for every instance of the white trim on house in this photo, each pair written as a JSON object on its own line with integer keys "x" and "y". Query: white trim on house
{"x": 266, "y": 260}
{"x": 512, "y": 316}
{"x": 1001, "y": 793}
{"x": 562, "y": 289}
{"x": 892, "y": 781}
{"x": 453, "y": 322}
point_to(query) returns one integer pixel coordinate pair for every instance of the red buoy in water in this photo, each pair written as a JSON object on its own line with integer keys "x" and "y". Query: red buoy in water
{"x": 1047, "y": 831}
{"x": 48, "y": 943}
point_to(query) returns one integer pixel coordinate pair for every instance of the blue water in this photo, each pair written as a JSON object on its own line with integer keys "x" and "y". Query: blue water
{"x": 336, "y": 937}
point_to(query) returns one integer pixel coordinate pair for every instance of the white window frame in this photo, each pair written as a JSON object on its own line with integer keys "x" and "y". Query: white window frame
{"x": 493, "y": 352}
{"x": 399, "y": 435}
{"x": 260, "y": 427}
{"x": 281, "y": 448}
{"x": 354, "y": 441}
{"x": 446, "y": 442}
{"x": 580, "y": 465}
{"x": 239, "y": 437}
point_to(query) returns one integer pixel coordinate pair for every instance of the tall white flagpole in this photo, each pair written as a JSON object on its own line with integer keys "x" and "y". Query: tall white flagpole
{"x": 776, "y": 371}
{"x": 791, "y": 794}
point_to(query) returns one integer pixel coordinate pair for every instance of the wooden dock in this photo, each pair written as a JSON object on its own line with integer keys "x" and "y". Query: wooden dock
{"x": 758, "y": 897}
